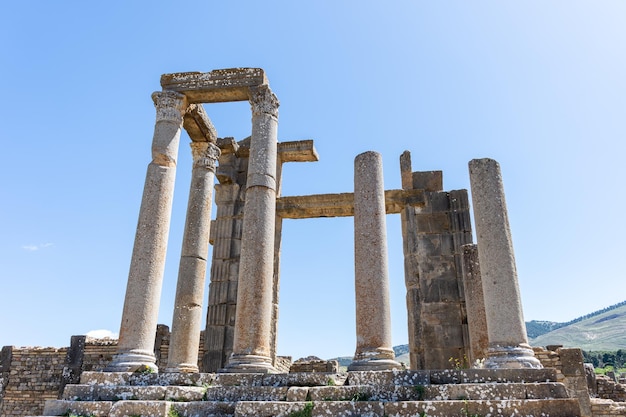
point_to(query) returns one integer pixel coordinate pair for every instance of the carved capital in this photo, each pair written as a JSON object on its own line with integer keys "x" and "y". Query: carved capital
{"x": 262, "y": 100}
{"x": 170, "y": 106}
{"x": 205, "y": 155}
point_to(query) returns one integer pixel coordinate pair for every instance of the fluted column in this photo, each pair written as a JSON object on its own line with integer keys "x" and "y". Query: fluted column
{"x": 187, "y": 320}
{"x": 373, "y": 317}
{"x": 143, "y": 292}
{"x": 252, "y": 344}
{"x": 508, "y": 344}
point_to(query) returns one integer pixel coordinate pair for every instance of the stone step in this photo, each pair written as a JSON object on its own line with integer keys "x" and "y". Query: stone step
{"x": 396, "y": 377}
{"x": 495, "y": 391}
{"x": 502, "y": 391}
{"x": 453, "y": 408}
{"x": 199, "y": 379}
{"x": 451, "y": 376}
{"x": 467, "y": 408}
{"x": 140, "y": 408}
{"x": 131, "y": 392}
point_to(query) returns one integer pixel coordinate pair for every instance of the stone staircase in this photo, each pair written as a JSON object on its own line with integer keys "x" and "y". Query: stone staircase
{"x": 445, "y": 393}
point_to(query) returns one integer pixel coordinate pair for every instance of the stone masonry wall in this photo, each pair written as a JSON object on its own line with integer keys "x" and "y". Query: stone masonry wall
{"x": 609, "y": 389}
{"x": 31, "y": 375}
{"x": 34, "y": 375}
{"x": 611, "y": 396}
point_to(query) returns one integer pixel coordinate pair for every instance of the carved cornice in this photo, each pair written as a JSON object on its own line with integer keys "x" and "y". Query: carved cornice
{"x": 262, "y": 100}
{"x": 205, "y": 155}
{"x": 170, "y": 106}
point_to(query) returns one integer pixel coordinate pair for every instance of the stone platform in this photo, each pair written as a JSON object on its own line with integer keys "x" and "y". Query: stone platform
{"x": 446, "y": 393}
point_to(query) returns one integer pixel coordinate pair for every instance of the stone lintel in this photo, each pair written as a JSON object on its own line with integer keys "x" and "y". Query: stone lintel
{"x": 293, "y": 151}
{"x": 198, "y": 125}
{"x": 217, "y": 86}
{"x": 342, "y": 205}
{"x": 298, "y": 151}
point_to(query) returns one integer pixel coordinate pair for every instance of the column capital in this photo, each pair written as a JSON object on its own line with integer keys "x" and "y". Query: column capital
{"x": 262, "y": 100}
{"x": 205, "y": 155}
{"x": 170, "y": 106}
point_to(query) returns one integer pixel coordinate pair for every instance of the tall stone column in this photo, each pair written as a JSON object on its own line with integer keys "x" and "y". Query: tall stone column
{"x": 187, "y": 320}
{"x": 143, "y": 292}
{"x": 252, "y": 345}
{"x": 373, "y": 317}
{"x": 508, "y": 343}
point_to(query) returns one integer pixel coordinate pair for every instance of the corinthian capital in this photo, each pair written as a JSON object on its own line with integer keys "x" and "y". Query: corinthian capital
{"x": 170, "y": 106}
{"x": 262, "y": 100}
{"x": 205, "y": 155}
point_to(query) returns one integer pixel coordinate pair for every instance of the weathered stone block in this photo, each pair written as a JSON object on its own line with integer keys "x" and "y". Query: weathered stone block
{"x": 386, "y": 378}
{"x": 436, "y": 222}
{"x": 297, "y": 394}
{"x": 457, "y": 376}
{"x": 246, "y": 393}
{"x": 62, "y": 407}
{"x": 572, "y": 362}
{"x": 215, "y": 86}
{"x": 428, "y": 180}
{"x": 544, "y": 390}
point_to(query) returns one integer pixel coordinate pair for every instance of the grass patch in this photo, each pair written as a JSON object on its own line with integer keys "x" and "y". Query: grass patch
{"x": 307, "y": 411}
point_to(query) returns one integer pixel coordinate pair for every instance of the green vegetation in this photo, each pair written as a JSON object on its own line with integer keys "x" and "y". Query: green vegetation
{"x": 360, "y": 396}
{"x": 145, "y": 370}
{"x": 331, "y": 382}
{"x": 419, "y": 390}
{"x": 305, "y": 412}
{"x": 173, "y": 413}
{"x": 603, "y": 359}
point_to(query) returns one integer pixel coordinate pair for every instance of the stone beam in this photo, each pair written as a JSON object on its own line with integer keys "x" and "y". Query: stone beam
{"x": 198, "y": 125}
{"x": 298, "y": 151}
{"x": 342, "y": 205}
{"x": 217, "y": 86}
{"x": 294, "y": 151}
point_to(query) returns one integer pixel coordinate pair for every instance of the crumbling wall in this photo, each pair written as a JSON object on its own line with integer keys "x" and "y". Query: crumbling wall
{"x": 608, "y": 389}
{"x": 34, "y": 375}
{"x": 31, "y": 375}
{"x": 610, "y": 396}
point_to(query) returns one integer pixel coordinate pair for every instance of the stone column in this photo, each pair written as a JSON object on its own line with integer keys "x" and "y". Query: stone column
{"x": 187, "y": 320}
{"x": 252, "y": 345}
{"x": 474, "y": 304}
{"x": 508, "y": 343}
{"x": 143, "y": 292}
{"x": 373, "y": 318}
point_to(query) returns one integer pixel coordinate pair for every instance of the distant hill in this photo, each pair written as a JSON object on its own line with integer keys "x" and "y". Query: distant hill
{"x": 601, "y": 330}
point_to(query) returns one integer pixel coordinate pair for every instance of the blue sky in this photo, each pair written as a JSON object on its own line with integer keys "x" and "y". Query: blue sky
{"x": 538, "y": 86}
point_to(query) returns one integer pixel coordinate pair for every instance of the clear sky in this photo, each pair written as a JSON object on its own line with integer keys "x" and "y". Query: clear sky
{"x": 539, "y": 86}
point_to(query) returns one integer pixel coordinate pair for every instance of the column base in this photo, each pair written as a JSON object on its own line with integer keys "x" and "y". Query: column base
{"x": 249, "y": 364}
{"x": 133, "y": 361}
{"x": 186, "y": 368}
{"x": 381, "y": 359}
{"x": 518, "y": 356}
{"x": 375, "y": 365}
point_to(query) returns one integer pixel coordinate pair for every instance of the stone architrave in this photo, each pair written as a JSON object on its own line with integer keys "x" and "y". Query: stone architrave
{"x": 253, "y": 321}
{"x": 187, "y": 320}
{"x": 143, "y": 292}
{"x": 373, "y": 318}
{"x": 508, "y": 343}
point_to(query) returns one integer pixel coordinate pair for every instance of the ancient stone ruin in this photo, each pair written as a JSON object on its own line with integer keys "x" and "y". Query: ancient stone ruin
{"x": 463, "y": 299}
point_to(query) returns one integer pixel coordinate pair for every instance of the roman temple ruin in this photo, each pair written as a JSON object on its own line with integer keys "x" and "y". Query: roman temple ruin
{"x": 462, "y": 298}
